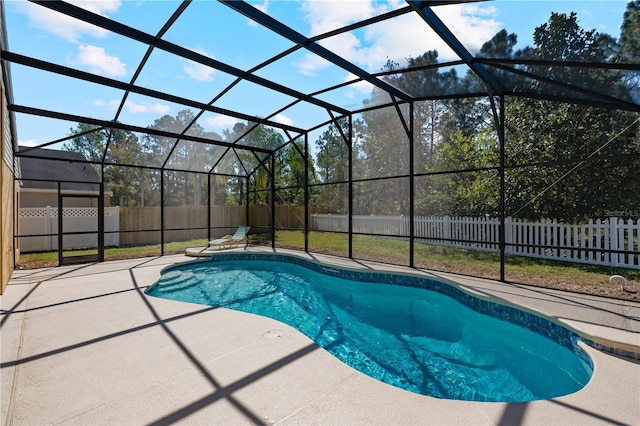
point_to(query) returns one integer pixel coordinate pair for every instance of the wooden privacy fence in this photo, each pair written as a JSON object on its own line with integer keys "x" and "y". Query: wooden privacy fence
{"x": 286, "y": 217}
{"x": 598, "y": 242}
{"x": 141, "y": 225}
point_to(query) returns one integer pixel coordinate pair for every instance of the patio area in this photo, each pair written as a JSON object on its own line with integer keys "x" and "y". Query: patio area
{"x": 84, "y": 345}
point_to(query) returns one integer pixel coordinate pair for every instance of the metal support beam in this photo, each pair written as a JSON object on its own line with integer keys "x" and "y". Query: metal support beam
{"x": 101, "y": 220}
{"x": 499, "y": 122}
{"x": 423, "y": 9}
{"x": 132, "y": 33}
{"x": 60, "y": 225}
{"x": 116, "y": 84}
{"x": 145, "y": 58}
{"x": 121, "y": 126}
{"x": 306, "y": 192}
{"x": 411, "y": 188}
{"x": 405, "y": 126}
{"x": 584, "y": 94}
{"x": 272, "y": 200}
{"x": 345, "y": 138}
{"x": 246, "y": 199}
{"x": 350, "y": 191}
{"x": 209, "y": 177}
{"x": 274, "y": 25}
{"x": 161, "y": 212}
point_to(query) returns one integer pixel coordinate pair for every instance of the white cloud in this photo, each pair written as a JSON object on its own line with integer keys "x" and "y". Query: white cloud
{"x": 28, "y": 142}
{"x": 221, "y": 121}
{"x": 133, "y": 107}
{"x": 371, "y": 47}
{"x": 472, "y": 24}
{"x": 146, "y": 107}
{"x": 261, "y": 7}
{"x": 111, "y": 105}
{"x": 64, "y": 26}
{"x": 198, "y": 71}
{"x": 283, "y": 119}
{"x": 361, "y": 86}
{"x": 98, "y": 61}
{"x": 310, "y": 64}
{"x": 100, "y": 7}
{"x": 324, "y": 16}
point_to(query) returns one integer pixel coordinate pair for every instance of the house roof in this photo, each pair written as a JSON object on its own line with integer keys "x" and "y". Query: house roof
{"x": 44, "y": 168}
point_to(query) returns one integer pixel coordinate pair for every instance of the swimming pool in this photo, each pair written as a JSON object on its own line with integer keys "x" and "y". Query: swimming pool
{"x": 413, "y": 332}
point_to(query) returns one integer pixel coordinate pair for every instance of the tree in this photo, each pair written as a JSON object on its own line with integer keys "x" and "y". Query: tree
{"x": 383, "y": 147}
{"x": 89, "y": 140}
{"x": 429, "y": 116}
{"x": 116, "y": 149}
{"x": 562, "y": 39}
{"x": 630, "y": 34}
{"x": 291, "y": 175}
{"x": 124, "y": 181}
{"x": 332, "y": 163}
{"x": 565, "y": 161}
{"x": 256, "y": 165}
{"x": 564, "y": 151}
{"x": 186, "y": 163}
{"x": 630, "y": 46}
{"x": 469, "y": 190}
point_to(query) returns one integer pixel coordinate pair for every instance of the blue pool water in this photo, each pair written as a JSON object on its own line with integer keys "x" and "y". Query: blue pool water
{"x": 409, "y": 336}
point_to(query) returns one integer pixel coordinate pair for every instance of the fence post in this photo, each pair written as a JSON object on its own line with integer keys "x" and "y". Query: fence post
{"x": 576, "y": 254}
{"x": 50, "y": 228}
{"x": 595, "y": 232}
{"x": 508, "y": 239}
{"x": 633, "y": 243}
{"x": 446, "y": 230}
{"x": 613, "y": 240}
{"x": 553, "y": 239}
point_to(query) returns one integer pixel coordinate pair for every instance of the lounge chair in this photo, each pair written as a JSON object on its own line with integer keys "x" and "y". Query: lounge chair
{"x": 229, "y": 240}
{"x": 221, "y": 242}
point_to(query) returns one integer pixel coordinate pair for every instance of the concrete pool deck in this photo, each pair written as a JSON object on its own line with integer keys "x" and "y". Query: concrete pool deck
{"x": 83, "y": 345}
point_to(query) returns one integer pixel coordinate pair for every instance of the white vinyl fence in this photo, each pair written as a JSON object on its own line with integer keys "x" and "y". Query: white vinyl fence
{"x": 547, "y": 239}
{"x": 42, "y": 222}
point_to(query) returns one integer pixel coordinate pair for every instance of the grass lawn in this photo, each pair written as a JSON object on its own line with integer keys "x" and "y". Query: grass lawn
{"x": 50, "y": 258}
{"x": 577, "y": 277}
{"x": 581, "y": 278}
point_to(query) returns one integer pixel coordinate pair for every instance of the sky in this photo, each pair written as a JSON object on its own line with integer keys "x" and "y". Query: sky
{"x": 215, "y": 31}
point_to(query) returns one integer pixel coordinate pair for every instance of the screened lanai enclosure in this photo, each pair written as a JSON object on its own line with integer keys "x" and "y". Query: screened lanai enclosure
{"x": 477, "y": 138}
